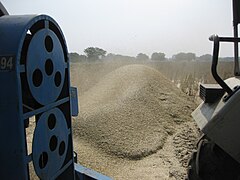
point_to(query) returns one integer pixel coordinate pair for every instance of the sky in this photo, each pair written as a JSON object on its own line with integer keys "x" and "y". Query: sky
{"x": 129, "y": 27}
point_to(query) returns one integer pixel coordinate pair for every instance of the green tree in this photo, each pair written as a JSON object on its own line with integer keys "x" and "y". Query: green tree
{"x": 184, "y": 56}
{"x": 75, "y": 57}
{"x": 158, "y": 56}
{"x": 95, "y": 53}
{"x": 206, "y": 57}
{"x": 142, "y": 56}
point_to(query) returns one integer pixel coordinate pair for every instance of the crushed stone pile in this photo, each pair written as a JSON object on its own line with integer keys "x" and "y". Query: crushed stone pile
{"x": 130, "y": 112}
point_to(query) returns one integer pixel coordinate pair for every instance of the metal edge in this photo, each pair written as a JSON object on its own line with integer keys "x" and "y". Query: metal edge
{"x": 86, "y": 172}
{"x": 3, "y": 10}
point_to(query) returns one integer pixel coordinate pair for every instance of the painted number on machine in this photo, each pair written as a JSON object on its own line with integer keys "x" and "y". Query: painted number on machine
{"x": 6, "y": 63}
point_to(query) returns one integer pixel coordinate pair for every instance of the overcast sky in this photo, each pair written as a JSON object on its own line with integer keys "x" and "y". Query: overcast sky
{"x": 129, "y": 27}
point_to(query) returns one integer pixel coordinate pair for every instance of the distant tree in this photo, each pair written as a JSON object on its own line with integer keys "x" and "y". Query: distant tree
{"x": 184, "y": 56}
{"x": 227, "y": 59}
{"x": 95, "y": 53}
{"x": 205, "y": 57}
{"x": 110, "y": 56}
{"x": 124, "y": 58}
{"x": 142, "y": 56}
{"x": 75, "y": 57}
{"x": 82, "y": 57}
{"x": 118, "y": 57}
{"x": 158, "y": 56}
{"x": 191, "y": 56}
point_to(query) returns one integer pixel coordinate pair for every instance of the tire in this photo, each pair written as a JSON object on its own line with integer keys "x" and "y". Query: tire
{"x": 210, "y": 162}
{"x": 192, "y": 173}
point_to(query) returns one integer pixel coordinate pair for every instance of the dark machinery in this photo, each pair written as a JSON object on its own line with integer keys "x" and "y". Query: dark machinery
{"x": 218, "y": 153}
{"x": 34, "y": 73}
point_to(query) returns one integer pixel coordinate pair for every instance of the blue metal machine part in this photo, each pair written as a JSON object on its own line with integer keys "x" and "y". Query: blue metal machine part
{"x": 34, "y": 73}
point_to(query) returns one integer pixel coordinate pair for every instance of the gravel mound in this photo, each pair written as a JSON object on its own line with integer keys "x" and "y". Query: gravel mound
{"x": 130, "y": 112}
{"x": 184, "y": 142}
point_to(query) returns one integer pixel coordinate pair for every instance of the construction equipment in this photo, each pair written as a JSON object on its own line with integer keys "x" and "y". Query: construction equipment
{"x": 218, "y": 153}
{"x": 35, "y": 86}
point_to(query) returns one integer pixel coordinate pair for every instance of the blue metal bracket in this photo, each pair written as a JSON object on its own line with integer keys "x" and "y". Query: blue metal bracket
{"x": 83, "y": 173}
{"x": 74, "y": 101}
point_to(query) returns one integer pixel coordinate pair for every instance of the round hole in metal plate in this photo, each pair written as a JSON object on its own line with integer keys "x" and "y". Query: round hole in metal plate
{"x": 58, "y": 79}
{"x": 53, "y": 143}
{"x": 48, "y": 43}
{"x": 61, "y": 149}
{"x": 49, "y": 67}
{"x": 51, "y": 121}
{"x": 43, "y": 160}
{"x": 37, "y": 78}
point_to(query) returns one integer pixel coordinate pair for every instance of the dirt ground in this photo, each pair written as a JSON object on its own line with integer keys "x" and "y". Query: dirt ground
{"x": 133, "y": 123}
{"x": 167, "y": 163}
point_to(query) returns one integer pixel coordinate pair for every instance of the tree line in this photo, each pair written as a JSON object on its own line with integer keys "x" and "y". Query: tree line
{"x": 95, "y": 54}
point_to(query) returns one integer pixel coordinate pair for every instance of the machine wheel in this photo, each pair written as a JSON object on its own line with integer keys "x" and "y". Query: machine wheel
{"x": 210, "y": 162}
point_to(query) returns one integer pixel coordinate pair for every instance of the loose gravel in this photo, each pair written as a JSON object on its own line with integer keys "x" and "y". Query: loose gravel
{"x": 131, "y": 112}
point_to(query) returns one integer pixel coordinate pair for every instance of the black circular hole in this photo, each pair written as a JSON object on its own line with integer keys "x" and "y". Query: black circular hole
{"x": 61, "y": 148}
{"x": 53, "y": 143}
{"x": 48, "y": 43}
{"x": 49, "y": 67}
{"x": 51, "y": 121}
{"x": 37, "y": 77}
{"x": 43, "y": 160}
{"x": 57, "y": 79}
